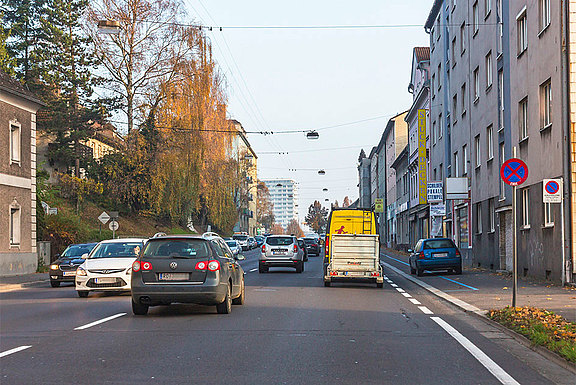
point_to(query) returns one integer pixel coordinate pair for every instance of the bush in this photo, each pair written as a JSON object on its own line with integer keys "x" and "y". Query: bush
{"x": 64, "y": 229}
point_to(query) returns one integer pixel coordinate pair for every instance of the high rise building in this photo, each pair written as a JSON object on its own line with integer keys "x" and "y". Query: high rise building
{"x": 284, "y": 197}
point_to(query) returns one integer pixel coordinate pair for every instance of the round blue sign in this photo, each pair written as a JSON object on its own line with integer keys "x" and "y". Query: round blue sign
{"x": 552, "y": 187}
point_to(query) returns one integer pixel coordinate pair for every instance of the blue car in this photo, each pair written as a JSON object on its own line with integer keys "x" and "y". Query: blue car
{"x": 435, "y": 254}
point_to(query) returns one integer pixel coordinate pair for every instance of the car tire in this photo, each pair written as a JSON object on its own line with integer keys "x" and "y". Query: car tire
{"x": 412, "y": 270}
{"x": 83, "y": 293}
{"x": 379, "y": 285}
{"x": 300, "y": 267}
{"x": 55, "y": 283}
{"x": 226, "y": 306}
{"x": 419, "y": 272}
{"x": 139, "y": 308}
{"x": 262, "y": 269}
{"x": 458, "y": 270}
{"x": 327, "y": 283}
{"x": 240, "y": 299}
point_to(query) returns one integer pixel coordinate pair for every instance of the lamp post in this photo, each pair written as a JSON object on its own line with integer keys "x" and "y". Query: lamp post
{"x": 109, "y": 27}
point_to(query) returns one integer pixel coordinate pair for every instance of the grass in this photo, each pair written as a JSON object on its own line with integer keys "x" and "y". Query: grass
{"x": 541, "y": 327}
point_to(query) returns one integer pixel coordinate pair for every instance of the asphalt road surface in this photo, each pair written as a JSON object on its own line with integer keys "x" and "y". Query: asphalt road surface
{"x": 292, "y": 330}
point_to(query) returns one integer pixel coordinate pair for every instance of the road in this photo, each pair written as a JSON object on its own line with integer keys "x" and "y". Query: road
{"x": 292, "y": 330}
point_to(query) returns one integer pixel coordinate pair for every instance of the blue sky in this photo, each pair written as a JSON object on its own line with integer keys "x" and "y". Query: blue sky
{"x": 289, "y": 79}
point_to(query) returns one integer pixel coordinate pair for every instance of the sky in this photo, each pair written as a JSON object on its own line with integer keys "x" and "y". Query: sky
{"x": 301, "y": 79}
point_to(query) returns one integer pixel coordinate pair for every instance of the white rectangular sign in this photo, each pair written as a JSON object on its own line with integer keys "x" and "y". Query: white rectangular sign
{"x": 552, "y": 190}
{"x": 435, "y": 192}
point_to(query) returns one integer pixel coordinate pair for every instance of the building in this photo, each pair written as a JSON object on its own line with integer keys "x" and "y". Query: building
{"x": 284, "y": 198}
{"x": 18, "y": 109}
{"x": 400, "y": 165}
{"x": 241, "y": 151}
{"x": 364, "y": 188}
{"x": 417, "y": 119}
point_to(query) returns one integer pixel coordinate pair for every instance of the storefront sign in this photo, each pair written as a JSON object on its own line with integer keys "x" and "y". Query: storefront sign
{"x": 435, "y": 192}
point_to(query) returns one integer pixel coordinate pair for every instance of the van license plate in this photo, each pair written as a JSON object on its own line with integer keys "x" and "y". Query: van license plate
{"x": 355, "y": 274}
{"x": 440, "y": 255}
{"x": 173, "y": 276}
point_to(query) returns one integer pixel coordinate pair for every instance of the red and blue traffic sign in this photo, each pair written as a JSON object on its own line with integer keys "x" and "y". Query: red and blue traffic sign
{"x": 514, "y": 172}
{"x": 552, "y": 187}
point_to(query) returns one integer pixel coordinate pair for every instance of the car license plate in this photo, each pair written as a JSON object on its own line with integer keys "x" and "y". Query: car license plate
{"x": 69, "y": 273}
{"x": 105, "y": 280}
{"x": 440, "y": 255}
{"x": 173, "y": 276}
{"x": 277, "y": 252}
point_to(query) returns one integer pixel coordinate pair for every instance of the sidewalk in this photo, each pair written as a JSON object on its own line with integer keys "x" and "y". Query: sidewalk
{"x": 488, "y": 290}
{"x": 16, "y": 282}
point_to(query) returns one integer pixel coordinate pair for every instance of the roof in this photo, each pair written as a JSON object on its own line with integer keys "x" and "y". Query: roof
{"x": 422, "y": 53}
{"x": 13, "y": 86}
{"x": 433, "y": 13}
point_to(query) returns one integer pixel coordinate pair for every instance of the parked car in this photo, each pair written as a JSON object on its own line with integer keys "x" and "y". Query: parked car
{"x": 281, "y": 251}
{"x": 187, "y": 269}
{"x": 302, "y": 245}
{"x": 435, "y": 254}
{"x": 108, "y": 267}
{"x": 64, "y": 268}
{"x": 252, "y": 243}
{"x": 259, "y": 240}
{"x": 313, "y": 246}
{"x": 234, "y": 246}
{"x": 242, "y": 240}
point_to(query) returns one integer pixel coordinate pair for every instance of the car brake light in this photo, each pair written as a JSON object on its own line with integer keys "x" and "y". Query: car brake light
{"x": 263, "y": 248}
{"x": 136, "y": 266}
{"x": 457, "y": 252}
{"x": 213, "y": 265}
{"x": 203, "y": 265}
{"x": 375, "y": 274}
{"x": 333, "y": 273}
{"x": 295, "y": 248}
{"x": 146, "y": 266}
{"x": 327, "y": 244}
{"x": 421, "y": 255}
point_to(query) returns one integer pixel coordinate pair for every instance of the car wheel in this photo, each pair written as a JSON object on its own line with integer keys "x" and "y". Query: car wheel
{"x": 412, "y": 270}
{"x": 379, "y": 285}
{"x": 327, "y": 283}
{"x": 458, "y": 270}
{"x": 262, "y": 269}
{"x": 419, "y": 272}
{"x": 241, "y": 297}
{"x": 306, "y": 259}
{"x": 83, "y": 293}
{"x": 226, "y": 306}
{"x": 139, "y": 308}
{"x": 300, "y": 267}
{"x": 55, "y": 283}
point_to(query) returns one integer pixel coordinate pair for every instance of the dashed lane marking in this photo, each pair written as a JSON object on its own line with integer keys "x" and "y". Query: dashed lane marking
{"x": 393, "y": 285}
{"x": 406, "y": 295}
{"x": 15, "y": 350}
{"x": 415, "y": 301}
{"x": 425, "y": 310}
{"x": 400, "y": 290}
{"x": 100, "y": 321}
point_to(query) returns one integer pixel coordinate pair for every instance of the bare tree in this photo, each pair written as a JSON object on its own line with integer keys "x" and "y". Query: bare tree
{"x": 146, "y": 51}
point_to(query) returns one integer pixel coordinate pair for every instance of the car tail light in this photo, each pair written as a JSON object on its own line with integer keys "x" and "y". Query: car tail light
{"x": 295, "y": 248}
{"x": 314, "y": 245}
{"x": 213, "y": 265}
{"x": 421, "y": 255}
{"x": 457, "y": 253}
{"x": 136, "y": 266}
{"x": 202, "y": 265}
{"x": 146, "y": 266}
{"x": 263, "y": 248}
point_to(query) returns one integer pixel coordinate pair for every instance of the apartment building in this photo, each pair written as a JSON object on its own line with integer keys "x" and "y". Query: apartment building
{"x": 284, "y": 198}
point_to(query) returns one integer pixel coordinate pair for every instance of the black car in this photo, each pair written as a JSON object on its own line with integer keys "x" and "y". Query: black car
{"x": 64, "y": 268}
{"x": 302, "y": 245}
{"x": 187, "y": 269}
{"x": 313, "y": 246}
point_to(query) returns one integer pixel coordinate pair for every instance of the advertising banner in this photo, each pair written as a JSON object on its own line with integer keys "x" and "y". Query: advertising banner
{"x": 422, "y": 159}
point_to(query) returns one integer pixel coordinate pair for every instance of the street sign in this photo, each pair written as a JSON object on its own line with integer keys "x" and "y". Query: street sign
{"x": 113, "y": 225}
{"x": 514, "y": 172}
{"x": 379, "y": 205}
{"x": 435, "y": 192}
{"x": 552, "y": 191}
{"x": 104, "y": 217}
{"x": 114, "y": 215}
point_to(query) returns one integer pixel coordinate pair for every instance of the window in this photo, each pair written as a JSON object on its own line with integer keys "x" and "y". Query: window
{"x": 441, "y": 171}
{"x": 544, "y": 11}
{"x": 439, "y": 77}
{"x": 476, "y": 85}
{"x": 477, "y": 151}
{"x": 432, "y": 82}
{"x": 463, "y": 99}
{"x": 478, "y": 218}
{"x": 548, "y": 218}
{"x": 434, "y": 132}
{"x": 500, "y": 100}
{"x": 487, "y": 7}
{"x": 456, "y": 170}
{"x": 440, "y": 126}
{"x": 489, "y": 143}
{"x": 502, "y": 183}
{"x": 15, "y": 230}
{"x": 526, "y": 208}
{"x": 475, "y": 18}
{"x": 489, "y": 70}
{"x": 454, "y": 107}
{"x": 546, "y": 104}
{"x": 500, "y": 26}
{"x": 15, "y": 142}
{"x": 453, "y": 52}
{"x": 523, "y": 118}
{"x": 465, "y": 160}
{"x": 522, "y": 31}
{"x": 491, "y": 215}
{"x": 462, "y": 38}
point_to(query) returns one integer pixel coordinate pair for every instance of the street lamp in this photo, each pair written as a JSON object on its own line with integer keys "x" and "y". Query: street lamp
{"x": 324, "y": 189}
{"x": 109, "y": 27}
{"x": 312, "y": 135}
{"x": 321, "y": 172}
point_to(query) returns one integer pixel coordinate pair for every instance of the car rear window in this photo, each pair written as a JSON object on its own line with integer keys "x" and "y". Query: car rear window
{"x": 439, "y": 244}
{"x": 240, "y": 237}
{"x": 117, "y": 250}
{"x": 310, "y": 241}
{"x": 279, "y": 241}
{"x": 180, "y": 248}
{"x": 232, "y": 243}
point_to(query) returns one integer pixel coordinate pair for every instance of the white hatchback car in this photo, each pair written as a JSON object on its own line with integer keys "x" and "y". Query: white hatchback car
{"x": 109, "y": 266}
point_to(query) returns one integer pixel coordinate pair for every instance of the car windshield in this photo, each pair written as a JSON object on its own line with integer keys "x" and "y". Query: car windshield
{"x": 232, "y": 243}
{"x": 439, "y": 244}
{"x": 180, "y": 248}
{"x": 279, "y": 241}
{"x": 240, "y": 237}
{"x": 310, "y": 241}
{"x": 117, "y": 250}
{"x": 77, "y": 250}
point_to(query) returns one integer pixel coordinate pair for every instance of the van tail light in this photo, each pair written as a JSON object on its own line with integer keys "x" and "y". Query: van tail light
{"x": 421, "y": 255}
{"x": 202, "y": 265}
{"x": 136, "y": 266}
{"x": 375, "y": 274}
{"x": 146, "y": 266}
{"x": 263, "y": 248}
{"x": 333, "y": 273}
{"x": 327, "y": 246}
{"x": 213, "y": 265}
{"x": 295, "y": 248}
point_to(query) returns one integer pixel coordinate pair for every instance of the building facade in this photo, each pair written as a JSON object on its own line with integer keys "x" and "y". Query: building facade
{"x": 284, "y": 198}
{"x": 400, "y": 165}
{"x": 18, "y": 109}
{"x": 364, "y": 188}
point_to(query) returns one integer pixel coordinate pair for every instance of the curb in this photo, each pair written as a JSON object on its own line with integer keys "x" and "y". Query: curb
{"x": 5, "y": 288}
{"x": 481, "y": 314}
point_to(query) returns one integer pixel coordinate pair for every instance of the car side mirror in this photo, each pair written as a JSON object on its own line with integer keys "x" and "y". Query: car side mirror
{"x": 240, "y": 257}
{"x": 410, "y": 251}
{"x": 84, "y": 256}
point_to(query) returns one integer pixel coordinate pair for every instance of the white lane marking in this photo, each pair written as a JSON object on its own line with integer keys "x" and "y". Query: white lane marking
{"x": 415, "y": 301}
{"x": 393, "y": 285}
{"x": 15, "y": 350}
{"x": 253, "y": 270}
{"x": 400, "y": 290}
{"x": 99, "y": 321}
{"x": 493, "y": 367}
{"x": 425, "y": 310}
{"x": 406, "y": 295}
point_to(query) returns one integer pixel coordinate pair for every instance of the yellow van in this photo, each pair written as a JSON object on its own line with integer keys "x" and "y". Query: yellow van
{"x": 349, "y": 221}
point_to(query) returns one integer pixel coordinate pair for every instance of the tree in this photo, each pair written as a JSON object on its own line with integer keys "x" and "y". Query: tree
{"x": 294, "y": 228}
{"x": 7, "y": 62}
{"x": 317, "y": 217}
{"x": 264, "y": 206}
{"x": 277, "y": 229}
